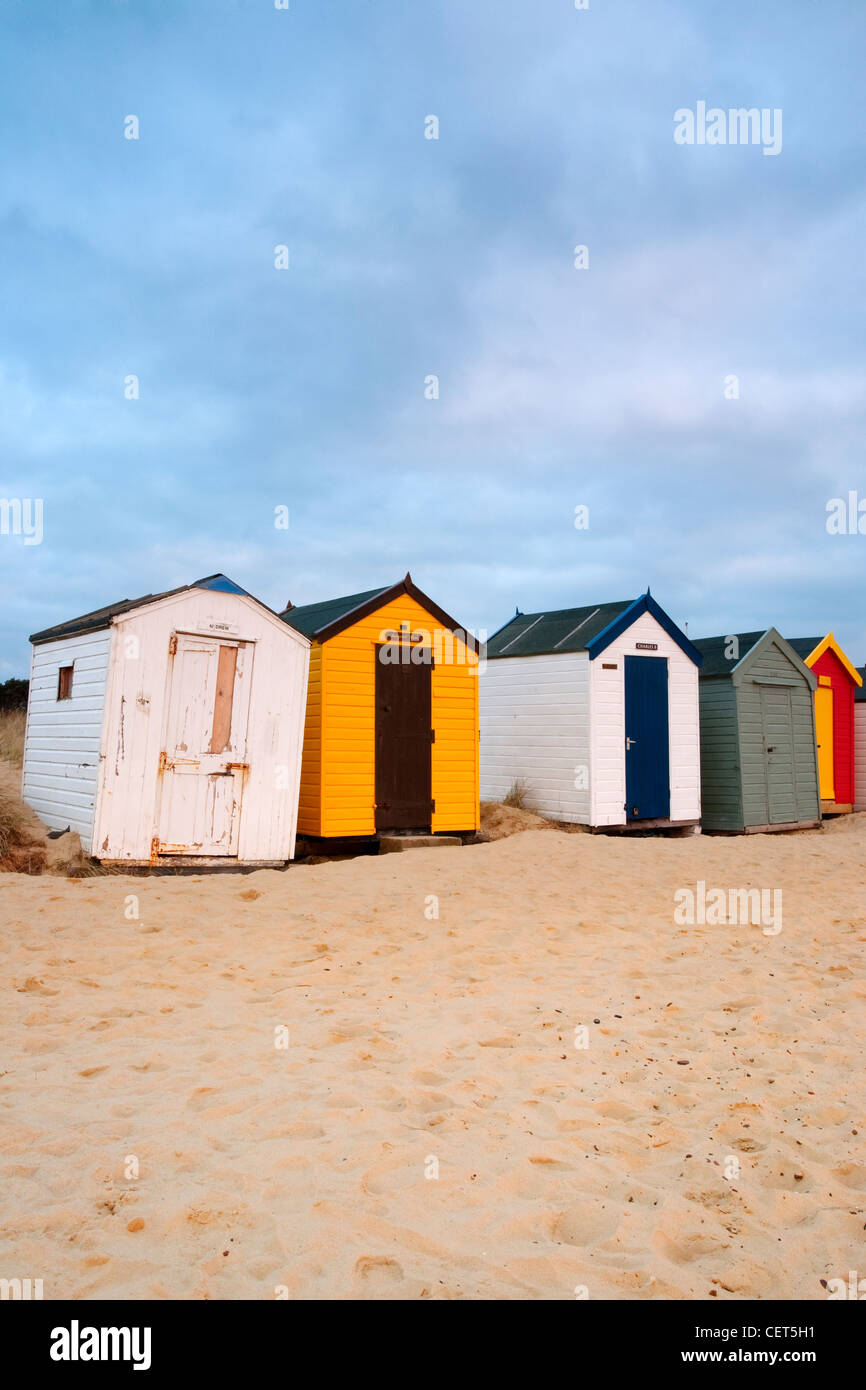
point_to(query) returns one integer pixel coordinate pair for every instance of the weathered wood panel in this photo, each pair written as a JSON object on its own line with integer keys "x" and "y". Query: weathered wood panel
{"x": 135, "y": 728}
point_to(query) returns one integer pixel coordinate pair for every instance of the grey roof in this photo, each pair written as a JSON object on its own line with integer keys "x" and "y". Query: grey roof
{"x": 564, "y": 630}
{"x": 803, "y": 645}
{"x": 102, "y": 617}
{"x": 713, "y": 649}
{"x": 311, "y": 618}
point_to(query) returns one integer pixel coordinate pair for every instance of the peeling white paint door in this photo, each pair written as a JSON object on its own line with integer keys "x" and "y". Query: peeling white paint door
{"x": 203, "y": 765}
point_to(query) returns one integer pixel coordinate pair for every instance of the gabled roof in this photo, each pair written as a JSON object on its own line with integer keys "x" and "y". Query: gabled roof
{"x": 812, "y": 648}
{"x": 103, "y": 617}
{"x": 717, "y": 662}
{"x": 713, "y": 650}
{"x": 590, "y": 629}
{"x": 312, "y": 618}
{"x": 321, "y": 621}
{"x": 804, "y": 646}
{"x": 563, "y": 630}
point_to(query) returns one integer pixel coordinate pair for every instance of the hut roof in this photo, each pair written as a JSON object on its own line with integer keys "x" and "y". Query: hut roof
{"x": 811, "y": 648}
{"x": 590, "y": 629}
{"x": 324, "y": 620}
{"x": 718, "y": 662}
{"x": 103, "y": 617}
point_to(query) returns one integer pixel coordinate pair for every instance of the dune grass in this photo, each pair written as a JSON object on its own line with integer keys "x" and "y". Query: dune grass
{"x": 12, "y": 736}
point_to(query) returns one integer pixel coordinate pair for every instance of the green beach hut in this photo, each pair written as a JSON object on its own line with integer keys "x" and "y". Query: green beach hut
{"x": 759, "y": 762}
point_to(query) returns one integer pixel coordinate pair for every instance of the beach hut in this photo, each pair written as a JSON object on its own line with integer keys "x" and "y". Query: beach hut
{"x": 391, "y": 737}
{"x": 834, "y": 718}
{"x": 759, "y": 763}
{"x": 860, "y": 742}
{"x": 594, "y": 712}
{"x": 168, "y": 728}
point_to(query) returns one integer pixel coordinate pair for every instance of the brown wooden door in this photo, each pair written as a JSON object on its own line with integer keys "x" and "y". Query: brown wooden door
{"x": 403, "y": 739}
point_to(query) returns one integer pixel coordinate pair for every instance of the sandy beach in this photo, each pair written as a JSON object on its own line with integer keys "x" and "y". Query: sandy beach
{"x": 156, "y": 1044}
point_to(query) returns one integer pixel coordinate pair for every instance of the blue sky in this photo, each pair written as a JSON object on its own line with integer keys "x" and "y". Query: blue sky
{"x": 409, "y": 257}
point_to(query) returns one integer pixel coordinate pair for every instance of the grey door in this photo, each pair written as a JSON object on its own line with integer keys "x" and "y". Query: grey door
{"x": 777, "y": 729}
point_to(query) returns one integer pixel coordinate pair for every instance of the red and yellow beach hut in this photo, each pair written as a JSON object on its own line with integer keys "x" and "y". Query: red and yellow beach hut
{"x": 834, "y": 718}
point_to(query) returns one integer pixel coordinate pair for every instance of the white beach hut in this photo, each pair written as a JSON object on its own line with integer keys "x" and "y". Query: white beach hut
{"x": 594, "y": 711}
{"x": 169, "y": 728}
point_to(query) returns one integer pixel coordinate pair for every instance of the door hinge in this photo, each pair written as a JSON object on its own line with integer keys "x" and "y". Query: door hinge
{"x": 172, "y": 644}
{"x": 163, "y": 761}
{"x": 432, "y": 806}
{"x": 432, "y": 735}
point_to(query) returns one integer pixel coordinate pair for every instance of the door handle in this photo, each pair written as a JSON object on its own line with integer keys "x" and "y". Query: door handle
{"x": 628, "y": 743}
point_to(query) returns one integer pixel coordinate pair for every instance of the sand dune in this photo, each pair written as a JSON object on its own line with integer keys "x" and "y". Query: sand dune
{"x": 416, "y": 1041}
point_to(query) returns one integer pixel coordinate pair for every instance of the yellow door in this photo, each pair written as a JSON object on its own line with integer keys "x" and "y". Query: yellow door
{"x": 824, "y": 735}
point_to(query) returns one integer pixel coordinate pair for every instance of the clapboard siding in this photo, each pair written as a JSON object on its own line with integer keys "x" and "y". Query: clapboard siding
{"x": 721, "y": 796}
{"x": 61, "y": 748}
{"x": 860, "y": 755}
{"x": 93, "y": 761}
{"x": 834, "y": 671}
{"x": 310, "y": 804}
{"x": 535, "y": 729}
{"x": 338, "y": 787}
{"x": 764, "y": 703}
{"x": 556, "y": 722}
{"x": 607, "y": 717}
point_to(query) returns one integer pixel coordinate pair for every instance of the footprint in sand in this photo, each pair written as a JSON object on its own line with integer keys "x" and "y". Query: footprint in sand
{"x": 33, "y": 985}
{"x": 683, "y": 1247}
{"x": 377, "y": 1276}
{"x": 852, "y": 1175}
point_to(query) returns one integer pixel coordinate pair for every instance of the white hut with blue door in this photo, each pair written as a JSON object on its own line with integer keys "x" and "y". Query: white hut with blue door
{"x": 594, "y": 711}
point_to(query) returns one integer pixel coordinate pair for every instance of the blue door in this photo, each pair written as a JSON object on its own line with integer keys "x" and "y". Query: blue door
{"x": 647, "y": 754}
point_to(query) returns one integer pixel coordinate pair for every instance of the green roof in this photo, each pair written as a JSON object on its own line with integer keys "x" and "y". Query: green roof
{"x": 564, "y": 630}
{"x": 311, "y": 618}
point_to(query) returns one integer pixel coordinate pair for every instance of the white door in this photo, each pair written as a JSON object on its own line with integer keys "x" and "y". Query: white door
{"x": 203, "y": 764}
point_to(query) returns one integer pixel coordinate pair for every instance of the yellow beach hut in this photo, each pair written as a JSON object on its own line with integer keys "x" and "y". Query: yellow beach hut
{"x": 391, "y": 735}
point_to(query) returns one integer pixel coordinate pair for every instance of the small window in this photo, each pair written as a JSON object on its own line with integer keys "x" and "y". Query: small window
{"x": 64, "y": 683}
